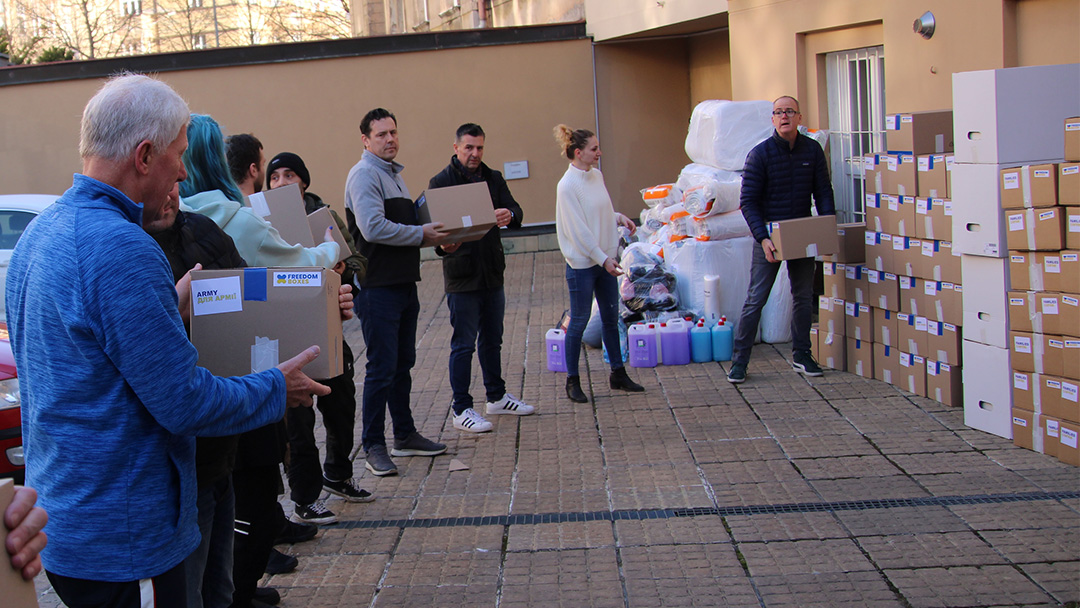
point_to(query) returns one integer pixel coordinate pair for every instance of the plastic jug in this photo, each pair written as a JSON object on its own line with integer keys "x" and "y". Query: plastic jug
{"x": 700, "y": 343}
{"x": 642, "y": 338}
{"x": 721, "y": 341}
{"x": 555, "y": 341}
{"x": 659, "y": 347}
{"x": 675, "y": 342}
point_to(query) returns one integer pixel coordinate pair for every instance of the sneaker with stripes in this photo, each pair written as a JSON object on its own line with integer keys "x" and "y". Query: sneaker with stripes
{"x": 471, "y": 421}
{"x": 509, "y": 404}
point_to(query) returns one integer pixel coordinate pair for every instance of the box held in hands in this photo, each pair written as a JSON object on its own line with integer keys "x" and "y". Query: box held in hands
{"x": 805, "y": 237}
{"x": 465, "y": 211}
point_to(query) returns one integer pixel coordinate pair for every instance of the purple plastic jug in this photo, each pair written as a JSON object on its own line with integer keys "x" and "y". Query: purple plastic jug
{"x": 555, "y": 341}
{"x": 642, "y": 338}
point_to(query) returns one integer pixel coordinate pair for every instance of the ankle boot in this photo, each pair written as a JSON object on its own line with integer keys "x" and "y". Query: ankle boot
{"x": 621, "y": 381}
{"x": 573, "y": 390}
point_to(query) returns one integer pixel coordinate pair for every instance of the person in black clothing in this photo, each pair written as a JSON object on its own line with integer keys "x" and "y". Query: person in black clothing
{"x": 780, "y": 176}
{"x": 473, "y": 278}
{"x": 338, "y": 409}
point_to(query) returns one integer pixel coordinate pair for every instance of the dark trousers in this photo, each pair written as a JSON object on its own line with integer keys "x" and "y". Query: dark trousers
{"x": 166, "y": 590}
{"x": 388, "y": 319}
{"x": 339, "y": 416}
{"x": 209, "y": 568}
{"x": 257, "y": 525}
{"x": 762, "y": 276}
{"x": 583, "y": 285}
{"x": 477, "y": 318}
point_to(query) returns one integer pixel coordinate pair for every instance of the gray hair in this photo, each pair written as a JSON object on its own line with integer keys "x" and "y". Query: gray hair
{"x": 130, "y": 109}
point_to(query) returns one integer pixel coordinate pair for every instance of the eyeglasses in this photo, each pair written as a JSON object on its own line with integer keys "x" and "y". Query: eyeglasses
{"x": 785, "y": 112}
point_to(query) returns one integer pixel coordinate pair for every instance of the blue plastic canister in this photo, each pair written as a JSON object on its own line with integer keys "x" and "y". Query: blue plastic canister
{"x": 721, "y": 341}
{"x": 700, "y": 343}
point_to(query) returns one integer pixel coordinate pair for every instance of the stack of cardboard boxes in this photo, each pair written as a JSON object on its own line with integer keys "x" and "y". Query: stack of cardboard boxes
{"x": 1044, "y": 299}
{"x": 1003, "y": 119}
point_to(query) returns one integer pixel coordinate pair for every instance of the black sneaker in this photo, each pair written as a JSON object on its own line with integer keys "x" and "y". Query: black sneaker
{"x": 267, "y": 595}
{"x": 803, "y": 362}
{"x": 737, "y": 374}
{"x": 295, "y": 532}
{"x": 315, "y": 513}
{"x": 348, "y": 490}
{"x": 417, "y": 445}
{"x": 279, "y": 563}
{"x": 378, "y": 461}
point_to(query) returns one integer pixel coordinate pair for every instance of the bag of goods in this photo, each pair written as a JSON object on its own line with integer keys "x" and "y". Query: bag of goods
{"x": 663, "y": 195}
{"x": 646, "y": 285}
{"x": 723, "y": 132}
{"x": 708, "y": 190}
{"x": 718, "y": 227}
{"x": 691, "y": 261}
{"x": 775, "y": 326}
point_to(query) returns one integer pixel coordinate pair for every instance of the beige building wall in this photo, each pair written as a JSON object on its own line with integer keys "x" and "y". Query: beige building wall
{"x": 710, "y": 66}
{"x": 313, "y": 108}
{"x": 607, "y": 19}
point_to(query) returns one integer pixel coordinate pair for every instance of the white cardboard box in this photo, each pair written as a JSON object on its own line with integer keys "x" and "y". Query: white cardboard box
{"x": 1014, "y": 115}
{"x": 987, "y": 389}
{"x": 986, "y": 305}
{"x": 978, "y": 225}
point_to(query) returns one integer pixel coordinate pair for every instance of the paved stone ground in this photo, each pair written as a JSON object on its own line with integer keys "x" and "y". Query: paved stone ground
{"x": 835, "y": 491}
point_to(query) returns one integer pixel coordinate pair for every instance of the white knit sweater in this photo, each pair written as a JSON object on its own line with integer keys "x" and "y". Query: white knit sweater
{"x": 585, "y": 219}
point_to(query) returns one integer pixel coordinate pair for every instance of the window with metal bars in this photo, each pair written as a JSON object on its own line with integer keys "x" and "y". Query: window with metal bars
{"x": 856, "y": 86}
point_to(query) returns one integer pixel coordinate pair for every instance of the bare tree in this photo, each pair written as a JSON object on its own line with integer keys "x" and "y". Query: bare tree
{"x": 291, "y": 22}
{"x": 91, "y": 29}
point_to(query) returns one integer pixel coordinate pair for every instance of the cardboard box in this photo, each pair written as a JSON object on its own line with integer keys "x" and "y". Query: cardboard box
{"x": 987, "y": 392}
{"x": 814, "y": 342}
{"x": 254, "y": 318}
{"x": 855, "y": 287}
{"x": 944, "y": 383}
{"x": 978, "y": 223}
{"x": 1027, "y": 391}
{"x": 1069, "y": 184}
{"x": 876, "y": 220}
{"x": 1051, "y": 435}
{"x": 1068, "y": 314}
{"x": 912, "y": 333}
{"x": 907, "y": 255}
{"x": 1068, "y": 275}
{"x": 909, "y": 295}
{"x": 1039, "y": 353}
{"x": 1059, "y": 398}
{"x": 1024, "y": 312}
{"x": 943, "y": 342}
{"x": 885, "y": 366}
{"x": 319, "y": 221}
{"x": 834, "y": 279}
{"x": 886, "y": 327}
{"x": 831, "y": 347}
{"x": 934, "y": 175}
{"x": 900, "y": 177}
{"x": 920, "y": 132}
{"x": 1026, "y": 271}
{"x": 465, "y": 211}
{"x": 933, "y": 218}
{"x": 852, "y": 244}
{"x": 284, "y": 208}
{"x": 860, "y": 357}
{"x": 1071, "y": 364}
{"x": 1025, "y": 429}
{"x": 1029, "y": 186}
{"x": 1068, "y": 451}
{"x": 985, "y": 309}
{"x": 1072, "y": 227}
{"x": 871, "y": 167}
{"x": 1036, "y": 229}
{"x": 859, "y": 321}
{"x": 941, "y": 262}
{"x": 18, "y": 593}
{"x": 1011, "y": 116}
{"x": 911, "y": 373}
{"x": 948, "y": 307}
{"x": 878, "y": 251}
{"x": 1048, "y": 305}
{"x": 805, "y": 237}
{"x": 893, "y": 214}
{"x": 1072, "y": 139}
{"x": 1069, "y": 401}
{"x": 884, "y": 290}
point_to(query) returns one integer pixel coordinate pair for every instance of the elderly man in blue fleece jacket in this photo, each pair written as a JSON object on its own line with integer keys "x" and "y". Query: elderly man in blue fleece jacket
{"x": 112, "y": 398}
{"x": 780, "y": 176}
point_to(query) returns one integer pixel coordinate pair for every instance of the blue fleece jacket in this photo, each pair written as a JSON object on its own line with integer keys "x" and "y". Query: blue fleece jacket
{"x": 111, "y": 396}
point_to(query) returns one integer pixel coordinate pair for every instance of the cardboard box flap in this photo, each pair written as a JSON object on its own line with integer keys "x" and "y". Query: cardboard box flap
{"x": 319, "y": 221}
{"x": 284, "y": 208}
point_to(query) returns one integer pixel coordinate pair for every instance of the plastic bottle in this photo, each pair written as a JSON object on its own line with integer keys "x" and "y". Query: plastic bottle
{"x": 675, "y": 342}
{"x": 700, "y": 343}
{"x": 721, "y": 341}
{"x": 642, "y": 340}
{"x": 555, "y": 342}
{"x": 658, "y": 329}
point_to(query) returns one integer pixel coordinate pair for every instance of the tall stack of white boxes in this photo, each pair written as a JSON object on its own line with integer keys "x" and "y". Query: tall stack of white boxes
{"x": 1002, "y": 119}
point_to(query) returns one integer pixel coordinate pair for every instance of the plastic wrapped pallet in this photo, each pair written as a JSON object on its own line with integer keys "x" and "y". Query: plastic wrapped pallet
{"x": 723, "y": 132}
{"x": 728, "y": 225}
{"x": 707, "y": 190}
{"x": 691, "y": 261}
{"x": 775, "y": 325}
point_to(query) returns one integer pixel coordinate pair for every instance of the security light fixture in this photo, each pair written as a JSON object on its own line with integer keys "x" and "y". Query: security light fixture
{"x": 924, "y": 26}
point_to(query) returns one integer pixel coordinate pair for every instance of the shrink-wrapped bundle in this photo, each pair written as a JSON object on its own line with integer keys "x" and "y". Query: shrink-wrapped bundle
{"x": 708, "y": 190}
{"x": 691, "y": 261}
{"x": 677, "y": 219}
{"x": 663, "y": 195}
{"x": 718, "y": 227}
{"x": 650, "y": 219}
{"x": 723, "y": 132}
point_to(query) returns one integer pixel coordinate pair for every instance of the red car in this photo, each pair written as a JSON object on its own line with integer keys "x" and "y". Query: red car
{"x": 16, "y": 211}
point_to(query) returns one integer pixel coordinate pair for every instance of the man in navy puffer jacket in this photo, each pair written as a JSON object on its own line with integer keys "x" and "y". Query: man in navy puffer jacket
{"x": 781, "y": 175}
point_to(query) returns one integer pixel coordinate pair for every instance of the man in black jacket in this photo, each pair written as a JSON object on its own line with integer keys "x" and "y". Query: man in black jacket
{"x": 780, "y": 176}
{"x": 473, "y": 277}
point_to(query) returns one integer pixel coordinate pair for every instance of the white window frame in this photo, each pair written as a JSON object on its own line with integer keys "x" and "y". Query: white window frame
{"x": 856, "y": 88}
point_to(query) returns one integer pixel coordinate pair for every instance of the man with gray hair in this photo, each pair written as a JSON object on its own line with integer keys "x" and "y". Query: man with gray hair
{"x": 112, "y": 398}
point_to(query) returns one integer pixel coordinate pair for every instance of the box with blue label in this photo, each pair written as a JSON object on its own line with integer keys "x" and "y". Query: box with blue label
{"x": 248, "y": 320}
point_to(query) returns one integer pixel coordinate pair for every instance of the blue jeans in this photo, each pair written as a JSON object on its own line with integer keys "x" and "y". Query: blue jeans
{"x": 583, "y": 285}
{"x": 762, "y": 276}
{"x": 477, "y": 318}
{"x": 388, "y": 319}
{"x": 208, "y": 570}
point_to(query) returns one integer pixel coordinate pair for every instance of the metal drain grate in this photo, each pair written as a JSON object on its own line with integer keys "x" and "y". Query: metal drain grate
{"x": 641, "y": 514}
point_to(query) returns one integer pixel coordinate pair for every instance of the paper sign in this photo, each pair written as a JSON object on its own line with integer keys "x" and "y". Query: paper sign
{"x": 258, "y": 204}
{"x": 216, "y": 296}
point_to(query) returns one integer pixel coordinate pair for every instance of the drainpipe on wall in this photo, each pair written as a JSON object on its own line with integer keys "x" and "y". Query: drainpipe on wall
{"x": 481, "y": 10}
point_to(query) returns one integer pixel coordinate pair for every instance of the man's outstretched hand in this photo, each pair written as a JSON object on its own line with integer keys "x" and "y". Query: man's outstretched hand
{"x": 298, "y": 387}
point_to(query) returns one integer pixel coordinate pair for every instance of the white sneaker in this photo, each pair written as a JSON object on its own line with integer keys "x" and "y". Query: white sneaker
{"x": 509, "y": 404}
{"x": 472, "y": 422}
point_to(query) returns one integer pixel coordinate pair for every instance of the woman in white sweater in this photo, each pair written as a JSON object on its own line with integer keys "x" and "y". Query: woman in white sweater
{"x": 587, "y": 228}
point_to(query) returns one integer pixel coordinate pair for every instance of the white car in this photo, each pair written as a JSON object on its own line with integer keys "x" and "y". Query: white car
{"x": 16, "y": 211}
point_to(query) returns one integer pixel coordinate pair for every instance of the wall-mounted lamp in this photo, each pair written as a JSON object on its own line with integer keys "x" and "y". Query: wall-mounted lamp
{"x": 924, "y": 26}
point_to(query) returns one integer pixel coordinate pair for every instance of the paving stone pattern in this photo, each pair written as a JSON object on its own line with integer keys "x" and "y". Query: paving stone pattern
{"x": 757, "y": 463}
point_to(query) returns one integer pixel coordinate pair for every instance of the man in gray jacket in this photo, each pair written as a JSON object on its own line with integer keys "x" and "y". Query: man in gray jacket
{"x": 389, "y": 231}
